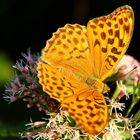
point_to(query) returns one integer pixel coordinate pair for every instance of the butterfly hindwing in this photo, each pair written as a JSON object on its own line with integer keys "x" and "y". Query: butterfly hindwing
{"x": 89, "y": 109}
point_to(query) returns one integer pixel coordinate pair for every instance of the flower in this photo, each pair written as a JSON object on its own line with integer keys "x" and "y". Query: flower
{"x": 57, "y": 128}
{"x": 114, "y": 105}
{"x": 25, "y": 86}
{"x": 59, "y": 125}
{"x": 122, "y": 92}
{"x": 134, "y": 131}
{"x": 129, "y": 68}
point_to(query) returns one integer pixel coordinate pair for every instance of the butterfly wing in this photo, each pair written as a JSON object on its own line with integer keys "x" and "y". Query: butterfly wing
{"x": 68, "y": 48}
{"x": 74, "y": 51}
{"x": 58, "y": 84}
{"x": 89, "y": 109}
{"x": 109, "y": 37}
{"x": 86, "y": 106}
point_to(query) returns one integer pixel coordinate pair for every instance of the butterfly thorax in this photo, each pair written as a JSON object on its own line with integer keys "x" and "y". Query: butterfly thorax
{"x": 97, "y": 84}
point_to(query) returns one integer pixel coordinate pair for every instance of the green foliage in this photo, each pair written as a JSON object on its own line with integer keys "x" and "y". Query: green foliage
{"x": 5, "y": 68}
{"x": 11, "y": 129}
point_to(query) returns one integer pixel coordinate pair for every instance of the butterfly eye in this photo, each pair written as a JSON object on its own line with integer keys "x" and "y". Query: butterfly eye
{"x": 106, "y": 89}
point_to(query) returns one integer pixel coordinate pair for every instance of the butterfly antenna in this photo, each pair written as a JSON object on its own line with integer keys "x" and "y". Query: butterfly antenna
{"x": 128, "y": 73}
{"x": 124, "y": 75}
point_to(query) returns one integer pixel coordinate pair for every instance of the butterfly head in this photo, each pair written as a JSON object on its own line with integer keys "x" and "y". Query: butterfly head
{"x": 106, "y": 88}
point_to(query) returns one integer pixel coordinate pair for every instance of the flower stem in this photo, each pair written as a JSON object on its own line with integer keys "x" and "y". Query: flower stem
{"x": 130, "y": 108}
{"x": 135, "y": 99}
{"x": 116, "y": 93}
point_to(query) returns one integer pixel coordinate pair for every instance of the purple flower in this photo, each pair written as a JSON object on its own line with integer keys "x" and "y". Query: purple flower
{"x": 25, "y": 86}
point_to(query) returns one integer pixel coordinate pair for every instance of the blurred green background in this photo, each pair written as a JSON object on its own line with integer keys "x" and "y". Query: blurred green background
{"x": 28, "y": 24}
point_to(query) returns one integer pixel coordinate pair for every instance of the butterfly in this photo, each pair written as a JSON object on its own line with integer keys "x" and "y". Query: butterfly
{"x": 76, "y": 61}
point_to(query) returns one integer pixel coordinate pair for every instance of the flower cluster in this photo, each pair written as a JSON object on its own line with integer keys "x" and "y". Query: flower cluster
{"x": 128, "y": 84}
{"x": 25, "y": 86}
{"x": 56, "y": 128}
{"x": 59, "y": 125}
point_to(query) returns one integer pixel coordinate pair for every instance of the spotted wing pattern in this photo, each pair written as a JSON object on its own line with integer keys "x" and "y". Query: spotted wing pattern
{"x": 109, "y": 37}
{"x": 68, "y": 48}
{"x": 56, "y": 83}
{"x": 89, "y": 109}
{"x": 77, "y": 59}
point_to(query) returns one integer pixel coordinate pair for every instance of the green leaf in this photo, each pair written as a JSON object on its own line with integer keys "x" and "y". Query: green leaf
{"x": 137, "y": 116}
{"x": 71, "y": 121}
{"x": 5, "y": 68}
{"x": 126, "y": 135}
{"x": 11, "y": 129}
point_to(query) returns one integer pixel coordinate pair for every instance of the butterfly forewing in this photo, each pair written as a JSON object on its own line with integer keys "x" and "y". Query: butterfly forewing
{"x": 109, "y": 37}
{"x": 68, "y": 48}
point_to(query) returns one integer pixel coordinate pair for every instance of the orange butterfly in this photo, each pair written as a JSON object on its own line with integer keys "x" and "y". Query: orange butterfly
{"x": 76, "y": 61}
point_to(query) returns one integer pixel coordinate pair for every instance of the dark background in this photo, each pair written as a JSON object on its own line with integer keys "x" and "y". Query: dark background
{"x": 29, "y": 23}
